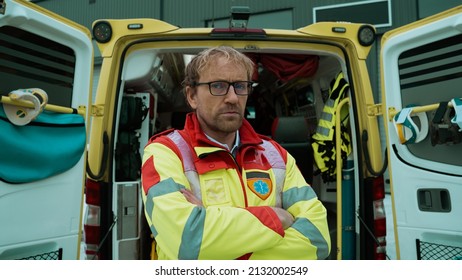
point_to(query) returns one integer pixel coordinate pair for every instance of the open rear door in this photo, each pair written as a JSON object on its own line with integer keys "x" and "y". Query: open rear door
{"x": 421, "y": 84}
{"x": 46, "y": 65}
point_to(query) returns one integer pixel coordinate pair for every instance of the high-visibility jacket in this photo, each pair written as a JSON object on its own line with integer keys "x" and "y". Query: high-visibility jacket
{"x": 323, "y": 141}
{"x": 236, "y": 220}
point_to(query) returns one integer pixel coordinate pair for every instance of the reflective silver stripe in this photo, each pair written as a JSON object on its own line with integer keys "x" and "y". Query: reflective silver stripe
{"x": 153, "y": 230}
{"x": 188, "y": 163}
{"x": 280, "y": 174}
{"x": 193, "y": 231}
{"x": 326, "y": 116}
{"x": 179, "y": 141}
{"x": 294, "y": 195}
{"x": 194, "y": 182}
{"x": 273, "y": 156}
{"x": 271, "y": 153}
{"x": 163, "y": 187}
{"x": 330, "y": 103}
{"x": 324, "y": 131}
{"x": 279, "y": 168}
{"x": 311, "y": 232}
{"x": 191, "y": 239}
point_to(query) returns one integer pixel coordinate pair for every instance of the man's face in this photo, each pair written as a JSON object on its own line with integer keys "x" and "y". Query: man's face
{"x": 219, "y": 115}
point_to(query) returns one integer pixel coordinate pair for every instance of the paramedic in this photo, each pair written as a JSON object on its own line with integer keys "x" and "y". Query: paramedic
{"x": 218, "y": 190}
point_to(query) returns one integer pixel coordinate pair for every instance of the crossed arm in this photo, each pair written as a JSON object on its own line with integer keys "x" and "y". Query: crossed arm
{"x": 285, "y": 217}
{"x": 184, "y": 229}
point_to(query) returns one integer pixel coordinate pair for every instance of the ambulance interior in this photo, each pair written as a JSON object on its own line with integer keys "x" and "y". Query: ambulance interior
{"x": 286, "y": 108}
{"x": 279, "y": 100}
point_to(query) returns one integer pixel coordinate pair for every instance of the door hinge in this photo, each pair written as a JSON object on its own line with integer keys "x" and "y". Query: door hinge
{"x": 2, "y": 7}
{"x": 392, "y": 113}
{"x": 97, "y": 110}
{"x": 374, "y": 110}
{"x": 82, "y": 110}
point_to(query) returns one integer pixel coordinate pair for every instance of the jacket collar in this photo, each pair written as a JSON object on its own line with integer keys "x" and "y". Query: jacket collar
{"x": 247, "y": 134}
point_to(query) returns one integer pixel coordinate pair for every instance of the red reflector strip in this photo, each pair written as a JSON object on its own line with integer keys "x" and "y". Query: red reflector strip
{"x": 378, "y": 188}
{"x": 238, "y": 32}
{"x": 90, "y": 253}
{"x": 92, "y": 234}
{"x": 380, "y": 227}
{"x": 380, "y": 256}
{"x": 380, "y": 231}
{"x": 92, "y": 191}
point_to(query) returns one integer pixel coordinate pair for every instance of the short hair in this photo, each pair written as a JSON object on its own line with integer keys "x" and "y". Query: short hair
{"x": 203, "y": 59}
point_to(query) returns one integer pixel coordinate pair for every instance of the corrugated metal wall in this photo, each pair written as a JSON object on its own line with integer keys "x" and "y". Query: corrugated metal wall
{"x": 194, "y": 13}
{"x": 87, "y": 11}
{"x": 180, "y": 12}
{"x": 184, "y": 13}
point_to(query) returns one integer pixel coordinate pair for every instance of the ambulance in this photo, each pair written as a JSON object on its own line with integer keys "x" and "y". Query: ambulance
{"x": 70, "y": 161}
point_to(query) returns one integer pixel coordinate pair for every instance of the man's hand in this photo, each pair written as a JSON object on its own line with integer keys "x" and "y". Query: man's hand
{"x": 285, "y": 217}
{"x": 191, "y": 197}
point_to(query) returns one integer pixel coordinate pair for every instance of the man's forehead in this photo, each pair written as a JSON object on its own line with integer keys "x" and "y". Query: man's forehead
{"x": 213, "y": 67}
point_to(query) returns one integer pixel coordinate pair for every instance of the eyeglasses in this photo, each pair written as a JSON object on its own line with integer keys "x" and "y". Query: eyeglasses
{"x": 220, "y": 88}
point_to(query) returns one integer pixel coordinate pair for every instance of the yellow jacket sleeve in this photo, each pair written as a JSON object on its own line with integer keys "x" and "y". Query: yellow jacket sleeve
{"x": 186, "y": 231}
{"x": 308, "y": 237}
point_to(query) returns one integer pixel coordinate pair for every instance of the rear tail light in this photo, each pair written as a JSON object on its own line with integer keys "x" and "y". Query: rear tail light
{"x": 92, "y": 190}
{"x": 92, "y": 222}
{"x": 380, "y": 225}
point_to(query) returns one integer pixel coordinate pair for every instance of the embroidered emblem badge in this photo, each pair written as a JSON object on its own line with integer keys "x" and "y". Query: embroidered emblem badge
{"x": 260, "y": 184}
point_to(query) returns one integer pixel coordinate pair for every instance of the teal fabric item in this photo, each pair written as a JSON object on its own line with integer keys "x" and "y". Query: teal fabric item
{"x": 49, "y": 145}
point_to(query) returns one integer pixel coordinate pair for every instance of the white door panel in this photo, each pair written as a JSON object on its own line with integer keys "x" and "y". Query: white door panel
{"x": 41, "y": 219}
{"x": 420, "y": 67}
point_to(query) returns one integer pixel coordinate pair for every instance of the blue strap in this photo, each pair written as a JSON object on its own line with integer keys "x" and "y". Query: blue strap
{"x": 408, "y": 132}
{"x": 457, "y": 119}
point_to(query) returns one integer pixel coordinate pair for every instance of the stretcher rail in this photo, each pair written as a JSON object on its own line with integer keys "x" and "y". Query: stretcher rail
{"x": 81, "y": 110}
{"x": 392, "y": 112}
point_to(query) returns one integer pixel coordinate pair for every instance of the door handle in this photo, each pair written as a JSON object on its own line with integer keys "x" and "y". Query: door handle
{"x": 434, "y": 200}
